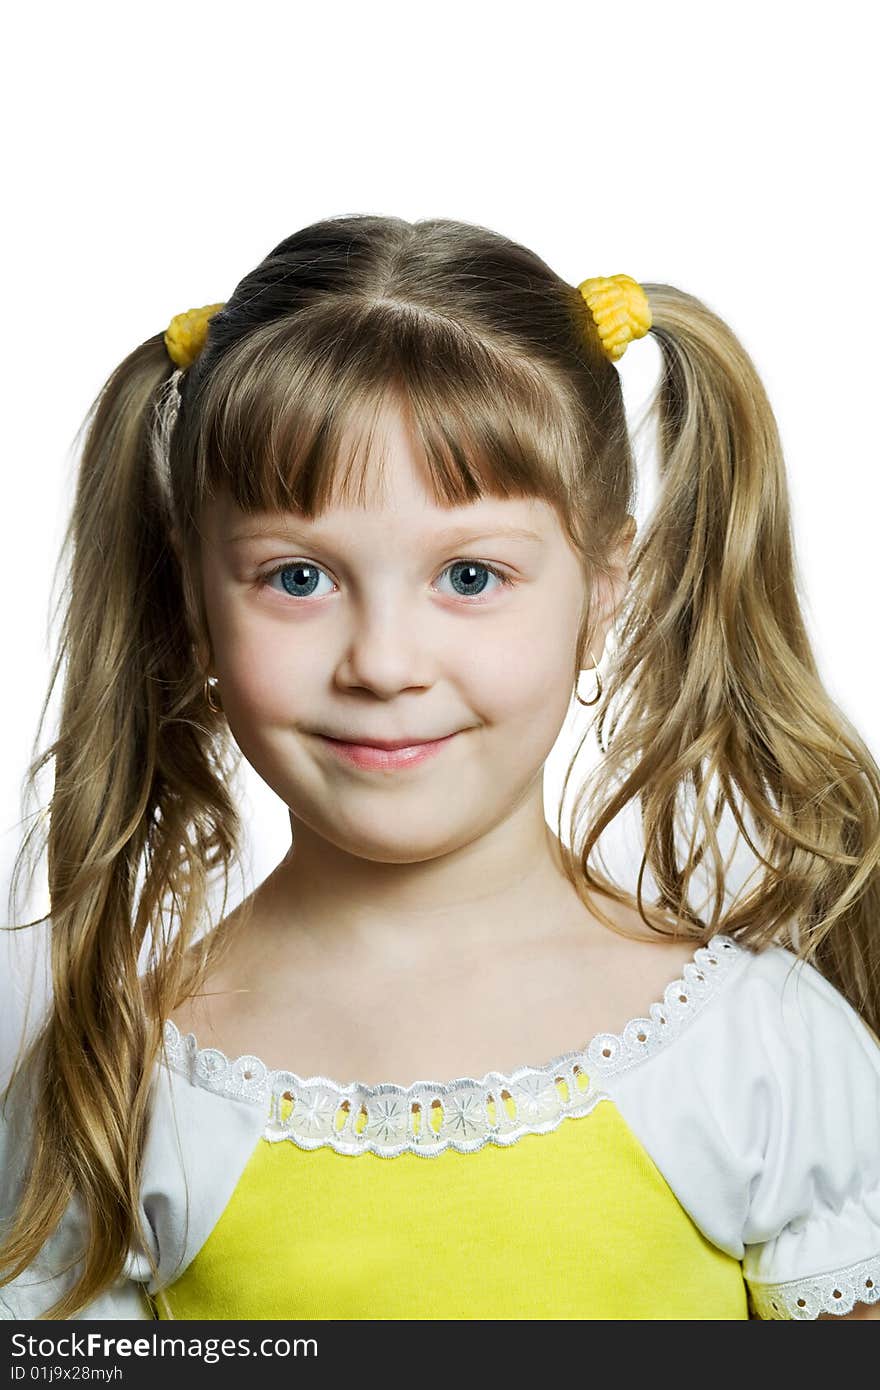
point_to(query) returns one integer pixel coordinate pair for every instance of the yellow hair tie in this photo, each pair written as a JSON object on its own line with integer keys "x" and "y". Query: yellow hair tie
{"x": 620, "y": 309}
{"x": 618, "y": 304}
{"x": 186, "y": 333}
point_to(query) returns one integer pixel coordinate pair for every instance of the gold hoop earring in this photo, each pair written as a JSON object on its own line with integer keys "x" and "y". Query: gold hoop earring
{"x": 217, "y": 709}
{"x": 598, "y": 695}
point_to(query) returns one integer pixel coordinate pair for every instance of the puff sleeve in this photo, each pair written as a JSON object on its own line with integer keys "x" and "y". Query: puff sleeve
{"x": 812, "y": 1232}
{"x": 196, "y": 1147}
{"x": 56, "y": 1267}
{"x": 760, "y": 1105}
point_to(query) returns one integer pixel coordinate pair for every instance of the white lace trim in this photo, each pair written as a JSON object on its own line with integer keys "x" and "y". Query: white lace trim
{"x": 499, "y": 1107}
{"x": 837, "y": 1292}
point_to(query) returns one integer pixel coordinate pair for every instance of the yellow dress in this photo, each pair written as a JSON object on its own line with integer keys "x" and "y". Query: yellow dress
{"x": 719, "y": 1158}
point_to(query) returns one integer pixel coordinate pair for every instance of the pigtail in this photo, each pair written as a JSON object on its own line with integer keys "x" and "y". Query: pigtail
{"x": 139, "y": 792}
{"x": 723, "y": 696}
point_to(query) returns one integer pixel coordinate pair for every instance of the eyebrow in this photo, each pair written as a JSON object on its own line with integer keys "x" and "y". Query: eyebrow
{"x": 443, "y": 538}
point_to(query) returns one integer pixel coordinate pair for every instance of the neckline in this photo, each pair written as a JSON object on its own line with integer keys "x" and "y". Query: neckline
{"x": 471, "y": 1108}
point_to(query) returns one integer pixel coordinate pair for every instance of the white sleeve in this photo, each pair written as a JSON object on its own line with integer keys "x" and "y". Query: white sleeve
{"x": 812, "y": 1235}
{"x": 197, "y": 1146}
{"x": 46, "y": 1279}
{"x": 762, "y": 1112}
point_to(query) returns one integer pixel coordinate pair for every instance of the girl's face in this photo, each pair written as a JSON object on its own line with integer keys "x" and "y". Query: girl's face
{"x": 398, "y": 620}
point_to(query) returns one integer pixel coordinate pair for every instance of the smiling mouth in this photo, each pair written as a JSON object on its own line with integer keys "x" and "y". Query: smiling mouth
{"x": 390, "y": 745}
{"x": 384, "y": 756}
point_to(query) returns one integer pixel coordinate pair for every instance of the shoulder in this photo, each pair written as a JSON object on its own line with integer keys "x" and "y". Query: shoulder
{"x": 788, "y": 1040}
{"x": 763, "y": 1114}
{"x": 802, "y": 1002}
{"x": 199, "y": 1141}
{"x": 16, "y": 1138}
{"x": 767, "y": 1010}
{"x": 753, "y": 1048}
{"x": 197, "y": 1145}
{"x": 56, "y": 1265}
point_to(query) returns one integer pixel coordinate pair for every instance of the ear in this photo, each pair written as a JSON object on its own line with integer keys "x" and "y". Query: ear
{"x": 612, "y": 590}
{"x": 201, "y": 649}
{"x": 619, "y": 560}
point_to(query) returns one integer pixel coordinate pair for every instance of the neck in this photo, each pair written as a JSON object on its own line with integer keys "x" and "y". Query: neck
{"x": 506, "y": 888}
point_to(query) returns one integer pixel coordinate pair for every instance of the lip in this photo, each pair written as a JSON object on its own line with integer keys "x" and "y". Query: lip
{"x": 385, "y": 756}
{"x": 383, "y": 742}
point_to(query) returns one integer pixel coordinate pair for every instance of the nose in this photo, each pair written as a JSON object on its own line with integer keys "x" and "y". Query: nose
{"x": 386, "y": 649}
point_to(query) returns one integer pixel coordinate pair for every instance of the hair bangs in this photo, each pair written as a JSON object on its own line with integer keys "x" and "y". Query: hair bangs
{"x": 291, "y": 418}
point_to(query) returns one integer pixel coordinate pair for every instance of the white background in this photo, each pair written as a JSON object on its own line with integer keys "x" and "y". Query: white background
{"x": 154, "y": 154}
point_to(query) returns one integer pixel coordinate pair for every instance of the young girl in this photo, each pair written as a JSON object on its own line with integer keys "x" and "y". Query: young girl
{"x": 367, "y": 522}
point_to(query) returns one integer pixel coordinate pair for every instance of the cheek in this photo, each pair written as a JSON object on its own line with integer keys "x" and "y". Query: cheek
{"x": 539, "y": 680}
{"x": 264, "y": 674}
{"x": 271, "y": 681}
{"x": 525, "y": 679}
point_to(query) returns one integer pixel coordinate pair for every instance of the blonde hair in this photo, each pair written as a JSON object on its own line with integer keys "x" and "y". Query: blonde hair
{"x": 499, "y": 364}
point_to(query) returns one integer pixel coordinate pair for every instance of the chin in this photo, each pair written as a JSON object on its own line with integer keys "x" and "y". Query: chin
{"x": 405, "y": 848}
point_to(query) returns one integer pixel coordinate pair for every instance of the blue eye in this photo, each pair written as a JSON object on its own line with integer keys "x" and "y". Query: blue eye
{"x": 300, "y": 577}
{"x": 297, "y": 576}
{"x": 469, "y": 575}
